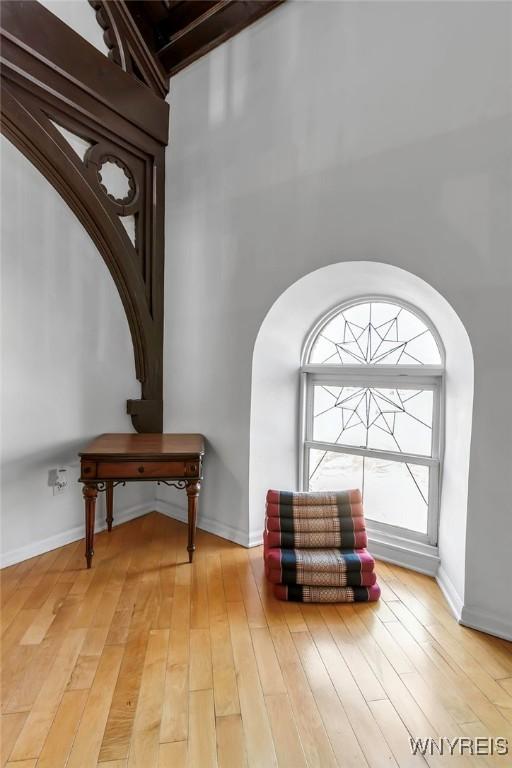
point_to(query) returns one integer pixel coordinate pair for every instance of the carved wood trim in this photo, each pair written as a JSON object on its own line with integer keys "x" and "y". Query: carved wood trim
{"x": 126, "y": 45}
{"x": 85, "y": 95}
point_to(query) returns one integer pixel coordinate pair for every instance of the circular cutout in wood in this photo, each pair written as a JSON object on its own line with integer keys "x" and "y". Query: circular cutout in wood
{"x": 116, "y": 180}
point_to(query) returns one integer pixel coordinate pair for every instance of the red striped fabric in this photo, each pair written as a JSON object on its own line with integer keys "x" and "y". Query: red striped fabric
{"x": 327, "y": 594}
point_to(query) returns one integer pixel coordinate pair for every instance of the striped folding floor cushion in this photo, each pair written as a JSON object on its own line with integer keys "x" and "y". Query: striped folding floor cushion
{"x": 298, "y": 505}
{"x": 315, "y": 539}
{"x": 321, "y": 579}
{"x": 306, "y": 561}
{"x": 299, "y": 511}
{"x": 317, "y": 498}
{"x": 315, "y": 524}
{"x": 306, "y": 594}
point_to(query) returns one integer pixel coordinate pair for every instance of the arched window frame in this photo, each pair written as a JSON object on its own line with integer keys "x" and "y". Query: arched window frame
{"x": 421, "y": 376}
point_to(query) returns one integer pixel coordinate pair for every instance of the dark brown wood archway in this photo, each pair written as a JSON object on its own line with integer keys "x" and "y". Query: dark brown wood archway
{"x": 53, "y": 82}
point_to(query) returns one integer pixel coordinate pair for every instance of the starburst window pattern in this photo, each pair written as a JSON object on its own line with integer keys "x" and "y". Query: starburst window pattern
{"x": 375, "y": 333}
{"x": 372, "y": 382}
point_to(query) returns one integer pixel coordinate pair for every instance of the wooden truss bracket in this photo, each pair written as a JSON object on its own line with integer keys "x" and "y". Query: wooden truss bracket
{"x": 98, "y": 134}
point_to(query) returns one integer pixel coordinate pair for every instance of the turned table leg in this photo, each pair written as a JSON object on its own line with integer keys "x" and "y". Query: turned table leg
{"x": 109, "y": 500}
{"x": 90, "y": 493}
{"x": 193, "y": 488}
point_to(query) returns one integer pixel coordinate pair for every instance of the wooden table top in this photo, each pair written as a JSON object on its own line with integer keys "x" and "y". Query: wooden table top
{"x": 146, "y": 445}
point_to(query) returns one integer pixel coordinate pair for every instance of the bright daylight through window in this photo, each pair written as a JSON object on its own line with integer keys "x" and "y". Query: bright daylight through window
{"x": 372, "y": 379}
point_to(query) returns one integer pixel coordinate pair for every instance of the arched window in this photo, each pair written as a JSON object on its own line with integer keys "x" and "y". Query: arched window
{"x": 371, "y": 413}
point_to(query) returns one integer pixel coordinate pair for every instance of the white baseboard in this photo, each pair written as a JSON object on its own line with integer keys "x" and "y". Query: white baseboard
{"x": 255, "y": 539}
{"x": 204, "y": 523}
{"x": 72, "y": 534}
{"x": 454, "y": 600}
{"x": 475, "y": 618}
{"x": 486, "y": 621}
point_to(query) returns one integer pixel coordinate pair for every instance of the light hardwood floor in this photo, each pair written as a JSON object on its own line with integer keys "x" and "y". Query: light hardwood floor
{"x": 147, "y": 661}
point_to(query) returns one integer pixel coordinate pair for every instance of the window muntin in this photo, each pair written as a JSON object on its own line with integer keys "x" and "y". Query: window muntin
{"x": 372, "y": 410}
{"x": 383, "y": 418}
{"x": 375, "y": 333}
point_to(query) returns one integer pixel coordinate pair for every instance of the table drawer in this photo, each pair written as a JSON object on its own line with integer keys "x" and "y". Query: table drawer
{"x": 141, "y": 469}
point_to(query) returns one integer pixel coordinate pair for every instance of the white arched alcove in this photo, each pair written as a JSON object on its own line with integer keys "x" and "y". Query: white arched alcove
{"x": 275, "y": 401}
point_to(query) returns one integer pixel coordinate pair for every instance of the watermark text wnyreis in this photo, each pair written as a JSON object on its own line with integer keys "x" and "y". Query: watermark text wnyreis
{"x": 459, "y": 745}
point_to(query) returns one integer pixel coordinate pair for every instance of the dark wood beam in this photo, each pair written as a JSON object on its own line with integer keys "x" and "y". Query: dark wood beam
{"x": 180, "y": 32}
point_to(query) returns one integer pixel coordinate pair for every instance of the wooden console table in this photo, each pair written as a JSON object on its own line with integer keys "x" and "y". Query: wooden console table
{"x": 113, "y": 459}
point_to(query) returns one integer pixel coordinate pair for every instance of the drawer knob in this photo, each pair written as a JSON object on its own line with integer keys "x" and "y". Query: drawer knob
{"x": 141, "y": 470}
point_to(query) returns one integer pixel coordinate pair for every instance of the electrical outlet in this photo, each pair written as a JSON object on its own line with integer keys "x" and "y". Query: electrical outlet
{"x": 58, "y": 481}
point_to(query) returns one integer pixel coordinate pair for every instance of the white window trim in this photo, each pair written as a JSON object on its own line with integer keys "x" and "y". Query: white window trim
{"x": 404, "y": 376}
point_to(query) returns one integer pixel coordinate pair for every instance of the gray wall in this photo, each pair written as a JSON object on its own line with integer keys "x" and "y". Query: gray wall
{"x": 336, "y": 131}
{"x": 67, "y": 362}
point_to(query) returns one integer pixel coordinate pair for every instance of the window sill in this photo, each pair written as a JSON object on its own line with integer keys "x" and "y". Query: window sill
{"x": 408, "y": 553}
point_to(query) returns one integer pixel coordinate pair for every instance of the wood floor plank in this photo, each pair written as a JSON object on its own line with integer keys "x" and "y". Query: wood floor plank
{"x": 50, "y": 572}
{"x": 118, "y": 730}
{"x": 13, "y": 606}
{"x": 494, "y": 658}
{"x": 12, "y": 636}
{"x": 62, "y": 733}
{"x": 361, "y": 623}
{"x": 349, "y": 649}
{"x": 167, "y": 575}
{"x": 230, "y": 742}
{"x": 225, "y": 689}
{"x": 289, "y": 749}
{"x": 506, "y": 684}
{"x": 451, "y": 698}
{"x": 364, "y": 741}
{"x": 199, "y": 618}
{"x": 43, "y": 563}
{"x": 84, "y": 672}
{"x": 269, "y": 670}
{"x": 37, "y": 725}
{"x": 144, "y": 743}
{"x": 232, "y": 590}
{"x": 202, "y": 746}
{"x": 30, "y": 667}
{"x": 201, "y": 676}
{"x": 46, "y": 615}
{"x": 86, "y": 746}
{"x": 215, "y": 587}
{"x": 404, "y": 703}
{"x": 258, "y": 735}
{"x": 294, "y": 617}
{"x": 470, "y": 664}
{"x": 433, "y": 709}
{"x": 485, "y": 711}
{"x": 10, "y": 728}
{"x": 250, "y": 594}
{"x": 272, "y": 608}
{"x": 172, "y": 754}
{"x": 174, "y": 726}
{"x": 396, "y": 734}
{"x": 315, "y": 741}
{"x": 26, "y": 672}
